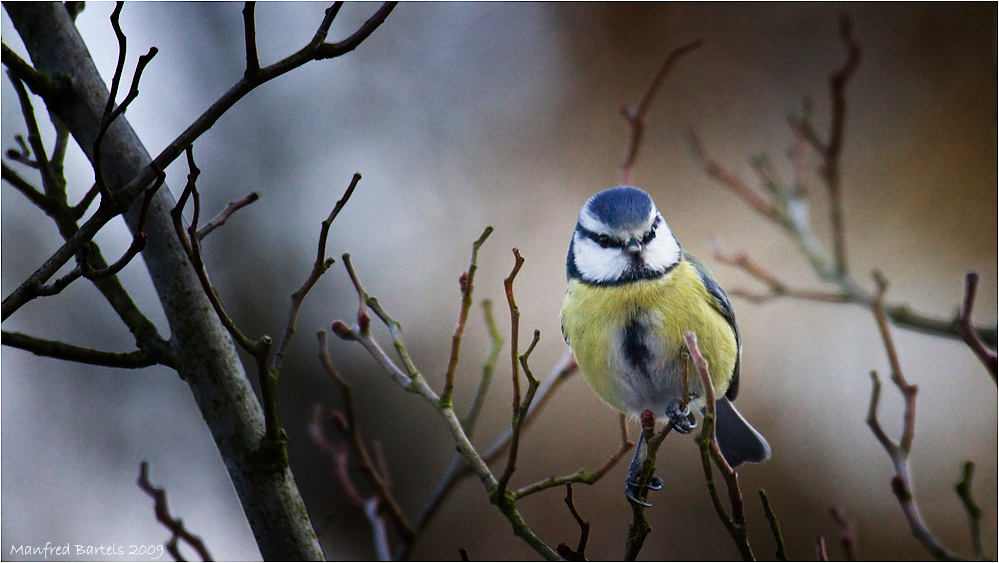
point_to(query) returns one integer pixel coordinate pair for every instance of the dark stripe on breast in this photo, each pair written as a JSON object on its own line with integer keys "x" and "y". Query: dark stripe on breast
{"x": 636, "y": 351}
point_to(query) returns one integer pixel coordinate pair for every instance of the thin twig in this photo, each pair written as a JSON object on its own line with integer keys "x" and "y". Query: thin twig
{"x": 567, "y": 553}
{"x": 780, "y": 553}
{"x": 636, "y": 116}
{"x": 971, "y": 336}
{"x": 820, "y": 549}
{"x": 963, "y": 489}
{"x": 72, "y": 353}
{"x": 898, "y": 452}
{"x": 511, "y": 463}
{"x": 321, "y": 265}
{"x": 351, "y": 430}
{"x": 175, "y": 526}
{"x": 465, "y": 283}
{"x": 708, "y": 442}
{"x": 831, "y": 167}
{"x": 28, "y": 289}
{"x": 496, "y": 345}
{"x": 222, "y": 217}
{"x": 847, "y": 533}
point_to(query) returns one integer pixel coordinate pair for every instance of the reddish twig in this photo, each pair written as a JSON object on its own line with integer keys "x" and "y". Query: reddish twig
{"x": 175, "y": 526}
{"x": 831, "y": 167}
{"x": 847, "y": 533}
{"x": 518, "y": 417}
{"x": 820, "y": 549}
{"x": 971, "y": 336}
{"x": 899, "y": 452}
{"x": 347, "y": 424}
{"x": 636, "y": 116}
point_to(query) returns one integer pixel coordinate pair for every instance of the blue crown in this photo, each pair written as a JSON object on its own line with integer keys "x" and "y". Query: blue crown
{"x": 622, "y": 206}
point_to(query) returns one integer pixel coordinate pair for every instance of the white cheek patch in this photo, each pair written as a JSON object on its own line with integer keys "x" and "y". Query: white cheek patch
{"x": 663, "y": 251}
{"x": 596, "y": 263}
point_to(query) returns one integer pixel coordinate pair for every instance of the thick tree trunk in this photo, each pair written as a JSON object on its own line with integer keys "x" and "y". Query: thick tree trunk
{"x": 206, "y": 357}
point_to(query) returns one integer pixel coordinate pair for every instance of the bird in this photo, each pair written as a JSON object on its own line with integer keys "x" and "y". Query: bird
{"x": 631, "y": 294}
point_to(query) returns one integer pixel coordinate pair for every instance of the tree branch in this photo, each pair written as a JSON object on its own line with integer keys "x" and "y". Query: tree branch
{"x": 69, "y": 352}
{"x": 175, "y": 526}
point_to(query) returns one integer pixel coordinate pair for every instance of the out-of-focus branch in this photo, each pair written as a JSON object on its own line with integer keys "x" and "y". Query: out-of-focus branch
{"x": 635, "y": 116}
{"x": 898, "y": 452}
{"x": 736, "y": 525}
{"x": 963, "y": 489}
{"x": 847, "y": 533}
{"x": 971, "y": 336}
{"x": 820, "y": 549}
{"x": 496, "y": 339}
{"x": 348, "y": 426}
{"x": 175, "y": 526}
{"x": 48, "y": 87}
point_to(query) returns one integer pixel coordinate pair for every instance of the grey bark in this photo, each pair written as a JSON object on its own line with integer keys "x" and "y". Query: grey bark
{"x": 205, "y": 355}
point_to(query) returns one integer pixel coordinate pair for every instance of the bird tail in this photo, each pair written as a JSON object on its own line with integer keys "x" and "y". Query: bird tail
{"x": 738, "y": 441}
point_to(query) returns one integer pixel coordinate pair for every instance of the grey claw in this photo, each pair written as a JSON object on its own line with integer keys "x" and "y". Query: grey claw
{"x": 683, "y": 421}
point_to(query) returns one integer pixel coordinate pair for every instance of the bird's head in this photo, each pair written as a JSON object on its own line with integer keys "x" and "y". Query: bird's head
{"x": 621, "y": 237}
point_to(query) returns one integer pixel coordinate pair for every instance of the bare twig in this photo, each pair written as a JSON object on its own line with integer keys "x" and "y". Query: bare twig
{"x": 69, "y": 352}
{"x": 319, "y": 268}
{"x": 465, "y": 283}
{"x": 736, "y": 525}
{"x": 250, "y": 34}
{"x": 780, "y": 554}
{"x": 111, "y": 111}
{"x": 847, "y": 533}
{"x": 315, "y": 50}
{"x": 349, "y": 427}
{"x": 519, "y": 413}
{"x": 175, "y": 526}
{"x": 820, "y": 549}
{"x": 831, "y": 168}
{"x": 222, "y": 217}
{"x": 963, "y": 489}
{"x": 971, "y": 336}
{"x": 899, "y": 452}
{"x": 472, "y": 418}
{"x": 567, "y": 553}
{"x": 636, "y": 116}
{"x": 583, "y": 476}
{"x": 411, "y": 380}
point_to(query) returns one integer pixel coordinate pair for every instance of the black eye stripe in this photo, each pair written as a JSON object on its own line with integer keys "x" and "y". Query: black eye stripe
{"x": 605, "y": 241}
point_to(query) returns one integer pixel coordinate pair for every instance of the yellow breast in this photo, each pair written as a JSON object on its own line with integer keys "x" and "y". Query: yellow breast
{"x": 628, "y": 339}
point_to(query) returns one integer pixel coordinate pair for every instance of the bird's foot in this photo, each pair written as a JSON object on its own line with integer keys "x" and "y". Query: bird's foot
{"x": 682, "y": 419}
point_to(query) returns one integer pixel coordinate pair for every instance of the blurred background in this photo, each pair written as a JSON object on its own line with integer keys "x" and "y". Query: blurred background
{"x": 463, "y": 115}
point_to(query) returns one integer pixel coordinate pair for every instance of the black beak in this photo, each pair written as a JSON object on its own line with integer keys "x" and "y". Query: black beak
{"x": 634, "y": 247}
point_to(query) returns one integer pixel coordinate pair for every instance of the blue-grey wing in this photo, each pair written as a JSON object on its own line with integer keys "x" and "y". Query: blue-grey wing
{"x": 724, "y": 306}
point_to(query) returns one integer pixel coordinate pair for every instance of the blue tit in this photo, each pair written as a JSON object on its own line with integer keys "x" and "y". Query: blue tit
{"x": 632, "y": 293}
